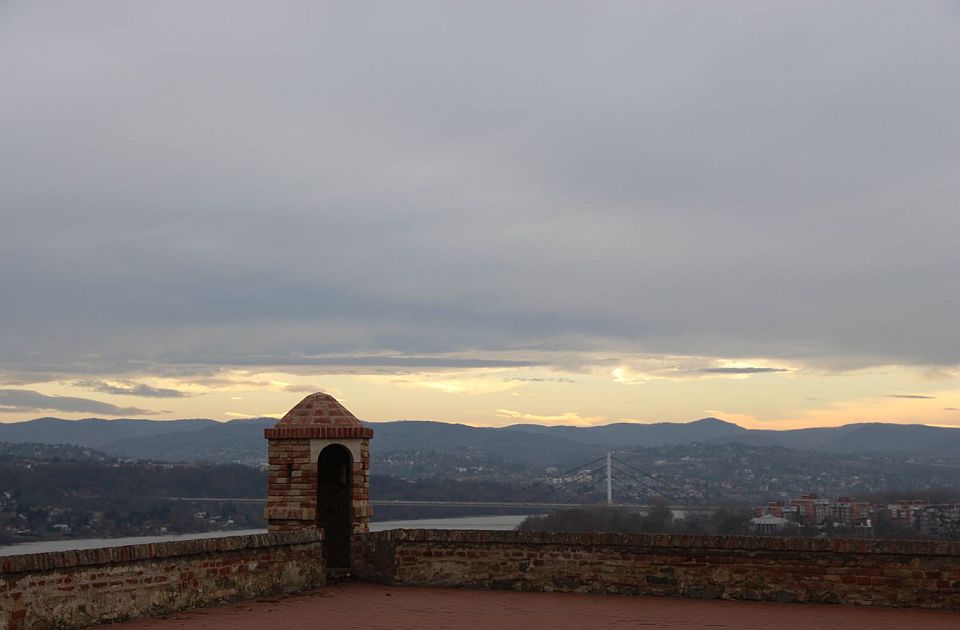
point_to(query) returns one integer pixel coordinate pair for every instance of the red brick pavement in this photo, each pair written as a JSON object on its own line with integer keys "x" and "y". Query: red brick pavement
{"x": 371, "y": 606}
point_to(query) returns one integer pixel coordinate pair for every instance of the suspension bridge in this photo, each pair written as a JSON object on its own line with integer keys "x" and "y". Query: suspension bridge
{"x": 559, "y": 490}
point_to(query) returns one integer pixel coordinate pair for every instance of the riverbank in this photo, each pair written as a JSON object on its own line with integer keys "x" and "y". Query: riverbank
{"x": 500, "y": 523}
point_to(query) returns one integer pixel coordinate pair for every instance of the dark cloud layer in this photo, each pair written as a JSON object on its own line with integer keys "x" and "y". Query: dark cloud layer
{"x": 27, "y": 401}
{"x": 216, "y": 183}
{"x": 743, "y": 370}
{"x": 916, "y": 396}
{"x": 378, "y": 361}
{"x": 131, "y": 389}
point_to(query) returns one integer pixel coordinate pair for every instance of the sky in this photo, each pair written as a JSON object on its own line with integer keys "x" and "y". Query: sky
{"x": 482, "y": 212}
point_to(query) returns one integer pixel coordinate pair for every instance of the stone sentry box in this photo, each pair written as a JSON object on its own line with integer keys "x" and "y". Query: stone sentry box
{"x": 319, "y": 460}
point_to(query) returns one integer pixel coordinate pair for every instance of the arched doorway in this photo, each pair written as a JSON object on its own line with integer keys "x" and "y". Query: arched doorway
{"x": 334, "y": 490}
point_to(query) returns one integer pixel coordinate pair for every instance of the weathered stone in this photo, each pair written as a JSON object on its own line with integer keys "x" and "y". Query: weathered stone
{"x": 728, "y": 567}
{"x": 73, "y": 589}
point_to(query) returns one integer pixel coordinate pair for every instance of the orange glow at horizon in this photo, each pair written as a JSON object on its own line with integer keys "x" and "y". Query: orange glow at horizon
{"x": 775, "y": 399}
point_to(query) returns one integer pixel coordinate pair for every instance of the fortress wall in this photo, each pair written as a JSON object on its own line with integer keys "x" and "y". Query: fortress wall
{"x": 83, "y": 587}
{"x": 859, "y": 572}
{"x": 71, "y": 589}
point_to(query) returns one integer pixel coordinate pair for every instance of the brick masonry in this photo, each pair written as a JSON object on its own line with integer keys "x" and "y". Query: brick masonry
{"x": 72, "y": 589}
{"x": 292, "y": 485}
{"x": 858, "y": 572}
{"x": 294, "y": 445}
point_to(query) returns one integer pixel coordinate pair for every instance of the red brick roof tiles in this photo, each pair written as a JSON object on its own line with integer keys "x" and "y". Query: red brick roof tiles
{"x": 319, "y": 410}
{"x": 318, "y": 416}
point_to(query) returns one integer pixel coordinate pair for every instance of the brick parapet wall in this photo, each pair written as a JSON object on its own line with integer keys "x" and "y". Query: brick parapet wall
{"x": 860, "y": 572}
{"x": 77, "y": 588}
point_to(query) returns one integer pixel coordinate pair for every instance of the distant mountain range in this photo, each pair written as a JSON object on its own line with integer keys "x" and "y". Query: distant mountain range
{"x": 162, "y": 440}
{"x": 242, "y": 440}
{"x": 868, "y": 437}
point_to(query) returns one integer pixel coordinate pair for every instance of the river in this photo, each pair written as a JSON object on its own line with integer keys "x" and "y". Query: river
{"x": 466, "y": 522}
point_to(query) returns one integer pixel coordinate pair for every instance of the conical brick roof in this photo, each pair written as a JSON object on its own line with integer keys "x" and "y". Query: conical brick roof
{"x": 319, "y": 410}
{"x": 318, "y": 415}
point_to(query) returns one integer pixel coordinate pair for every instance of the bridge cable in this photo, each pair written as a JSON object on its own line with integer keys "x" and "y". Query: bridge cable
{"x": 502, "y": 497}
{"x": 566, "y": 484}
{"x": 563, "y": 486}
{"x": 600, "y": 480}
{"x": 657, "y": 479}
{"x": 647, "y": 485}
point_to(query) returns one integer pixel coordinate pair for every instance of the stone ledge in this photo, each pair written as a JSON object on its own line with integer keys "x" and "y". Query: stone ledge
{"x": 317, "y": 432}
{"x": 153, "y": 551}
{"x": 672, "y": 541}
{"x": 290, "y": 514}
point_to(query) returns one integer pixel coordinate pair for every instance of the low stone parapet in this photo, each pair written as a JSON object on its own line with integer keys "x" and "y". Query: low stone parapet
{"x": 77, "y": 588}
{"x": 860, "y": 572}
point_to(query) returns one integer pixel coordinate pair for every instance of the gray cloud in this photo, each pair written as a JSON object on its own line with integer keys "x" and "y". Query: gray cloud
{"x": 380, "y": 361}
{"x": 918, "y": 396}
{"x": 214, "y": 185}
{"x": 26, "y": 377}
{"x": 950, "y": 409}
{"x": 131, "y": 389}
{"x": 742, "y": 370}
{"x": 25, "y": 400}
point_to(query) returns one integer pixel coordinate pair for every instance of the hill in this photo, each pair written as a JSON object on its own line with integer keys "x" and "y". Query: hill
{"x": 874, "y": 437}
{"x": 93, "y": 432}
{"x": 235, "y": 441}
{"x": 506, "y": 444}
{"x": 633, "y": 434}
{"x": 20, "y": 452}
{"x": 533, "y": 445}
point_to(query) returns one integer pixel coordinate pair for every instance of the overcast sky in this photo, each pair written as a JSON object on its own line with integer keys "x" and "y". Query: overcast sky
{"x": 566, "y": 211}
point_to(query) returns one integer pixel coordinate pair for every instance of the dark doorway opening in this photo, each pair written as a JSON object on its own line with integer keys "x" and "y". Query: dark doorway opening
{"x": 334, "y": 490}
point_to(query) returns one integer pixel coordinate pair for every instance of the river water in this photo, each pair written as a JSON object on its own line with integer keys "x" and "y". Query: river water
{"x": 467, "y": 522}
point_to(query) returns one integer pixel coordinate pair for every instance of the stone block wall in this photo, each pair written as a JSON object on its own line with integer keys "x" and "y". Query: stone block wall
{"x": 292, "y": 480}
{"x": 360, "y": 498}
{"x": 73, "y": 589}
{"x": 859, "y": 572}
{"x": 291, "y": 486}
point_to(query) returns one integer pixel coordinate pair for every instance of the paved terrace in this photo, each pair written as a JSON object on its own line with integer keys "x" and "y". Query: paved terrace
{"x": 372, "y": 606}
